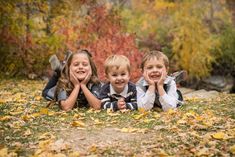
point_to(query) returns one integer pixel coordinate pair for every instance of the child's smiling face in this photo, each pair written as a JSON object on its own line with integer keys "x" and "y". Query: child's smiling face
{"x": 118, "y": 78}
{"x": 80, "y": 66}
{"x": 154, "y": 68}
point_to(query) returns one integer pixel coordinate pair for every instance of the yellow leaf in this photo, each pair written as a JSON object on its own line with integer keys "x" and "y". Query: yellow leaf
{"x": 93, "y": 148}
{"x": 3, "y": 152}
{"x": 75, "y": 116}
{"x": 59, "y": 155}
{"x": 25, "y": 117}
{"x": 44, "y": 110}
{"x": 128, "y": 130}
{"x": 181, "y": 121}
{"x": 5, "y": 118}
{"x": 203, "y": 152}
{"x": 2, "y": 101}
{"x": 171, "y": 111}
{"x": 44, "y": 144}
{"x": 148, "y": 120}
{"x": 36, "y": 114}
{"x": 141, "y": 110}
{"x": 137, "y": 117}
{"x": 98, "y": 122}
{"x": 74, "y": 154}
{"x": 37, "y": 98}
{"x": 16, "y": 113}
{"x": 27, "y": 132}
{"x": 156, "y": 115}
{"x": 219, "y": 136}
{"x": 78, "y": 124}
{"x": 232, "y": 149}
{"x": 46, "y": 135}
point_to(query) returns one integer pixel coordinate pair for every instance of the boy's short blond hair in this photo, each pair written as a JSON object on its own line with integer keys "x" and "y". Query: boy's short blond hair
{"x": 116, "y": 61}
{"x": 154, "y": 54}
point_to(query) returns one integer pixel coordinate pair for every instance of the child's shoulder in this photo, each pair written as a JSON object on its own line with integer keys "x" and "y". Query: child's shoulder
{"x": 131, "y": 86}
{"x": 105, "y": 87}
{"x": 140, "y": 82}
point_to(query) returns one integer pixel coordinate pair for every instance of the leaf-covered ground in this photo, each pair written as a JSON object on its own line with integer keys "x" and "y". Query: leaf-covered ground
{"x": 27, "y": 128}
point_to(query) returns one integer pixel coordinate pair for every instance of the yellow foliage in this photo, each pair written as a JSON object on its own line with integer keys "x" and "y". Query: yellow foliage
{"x": 192, "y": 42}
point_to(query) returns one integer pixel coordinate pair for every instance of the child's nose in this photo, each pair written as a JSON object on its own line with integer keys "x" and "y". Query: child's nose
{"x": 119, "y": 77}
{"x": 155, "y": 69}
{"x": 80, "y": 66}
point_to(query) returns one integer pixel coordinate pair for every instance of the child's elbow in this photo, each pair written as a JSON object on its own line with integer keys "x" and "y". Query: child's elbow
{"x": 65, "y": 107}
{"x": 97, "y": 106}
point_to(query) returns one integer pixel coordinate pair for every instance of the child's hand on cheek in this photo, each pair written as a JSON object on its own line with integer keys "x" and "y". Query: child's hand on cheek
{"x": 87, "y": 78}
{"x": 162, "y": 78}
{"x": 146, "y": 77}
{"x": 73, "y": 79}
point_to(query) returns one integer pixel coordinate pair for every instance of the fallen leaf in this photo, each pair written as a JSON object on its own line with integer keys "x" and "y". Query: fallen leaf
{"x": 232, "y": 149}
{"x": 3, "y": 152}
{"x": 74, "y": 154}
{"x": 27, "y": 132}
{"x": 46, "y": 135}
{"x": 5, "y": 118}
{"x": 44, "y": 111}
{"x": 78, "y": 124}
{"x": 219, "y": 135}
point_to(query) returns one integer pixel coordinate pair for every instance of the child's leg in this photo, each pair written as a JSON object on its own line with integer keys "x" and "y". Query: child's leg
{"x": 48, "y": 91}
{"x": 179, "y": 76}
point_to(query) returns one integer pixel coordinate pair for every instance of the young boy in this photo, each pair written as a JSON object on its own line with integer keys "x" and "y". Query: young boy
{"x": 155, "y": 88}
{"x": 119, "y": 93}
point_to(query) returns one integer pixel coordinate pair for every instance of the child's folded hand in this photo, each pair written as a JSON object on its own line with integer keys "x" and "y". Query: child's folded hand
{"x": 121, "y": 104}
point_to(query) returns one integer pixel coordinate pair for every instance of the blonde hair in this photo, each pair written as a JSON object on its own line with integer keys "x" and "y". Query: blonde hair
{"x": 116, "y": 61}
{"x": 155, "y": 54}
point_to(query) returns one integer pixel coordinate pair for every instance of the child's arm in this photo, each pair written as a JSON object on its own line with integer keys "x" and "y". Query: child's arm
{"x": 145, "y": 99}
{"x": 132, "y": 104}
{"x": 93, "y": 101}
{"x": 69, "y": 103}
{"x": 167, "y": 99}
{"x": 105, "y": 99}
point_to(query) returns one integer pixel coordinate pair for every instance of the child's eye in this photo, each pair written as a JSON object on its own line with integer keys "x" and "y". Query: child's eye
{"x": 149, "y": 67}
{"x": 114, "y": 75}
{"x": 159, "y": 66}
{"x": 85, "y": 64}
{"x": 75, "y": 64}
{"x": 123, "y": 74}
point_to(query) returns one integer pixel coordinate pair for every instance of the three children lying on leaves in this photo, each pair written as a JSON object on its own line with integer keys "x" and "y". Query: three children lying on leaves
{"x": 76, "y": 84}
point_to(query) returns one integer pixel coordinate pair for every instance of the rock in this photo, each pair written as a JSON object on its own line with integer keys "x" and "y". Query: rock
{"x": 201, "y": 94}
{"x": 218, "y": 83}
{"x": 186, "y": 90}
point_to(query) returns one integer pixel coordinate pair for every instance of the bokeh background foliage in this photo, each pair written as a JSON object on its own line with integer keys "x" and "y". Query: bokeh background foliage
{"x": 197, "y": 35}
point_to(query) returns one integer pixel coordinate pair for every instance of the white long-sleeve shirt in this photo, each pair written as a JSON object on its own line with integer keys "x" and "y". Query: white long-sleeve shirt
{"x": 147, "y": 100}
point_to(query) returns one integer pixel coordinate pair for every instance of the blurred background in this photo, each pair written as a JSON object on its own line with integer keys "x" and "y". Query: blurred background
{"x": 197, "y": 35}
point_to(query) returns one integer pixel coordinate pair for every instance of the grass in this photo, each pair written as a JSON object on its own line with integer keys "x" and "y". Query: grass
{"x": 200, "y": 127}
